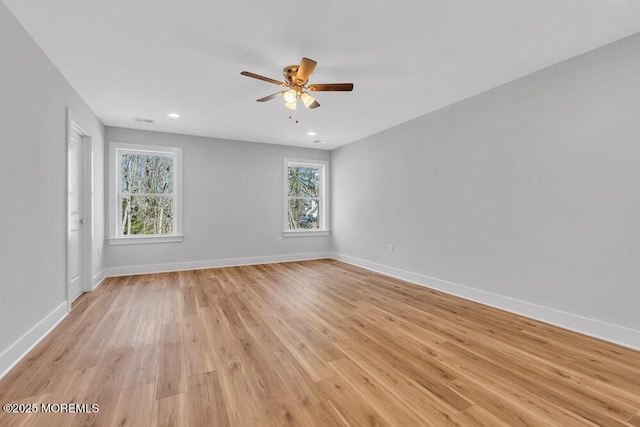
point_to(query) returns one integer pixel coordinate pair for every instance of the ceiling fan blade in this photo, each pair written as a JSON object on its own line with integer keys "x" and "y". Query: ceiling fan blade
{"x": 304, "y": 71}
{"x": 331, "y": 87}
{"x": 266, "y": 79}
{"x": 267, "y": 98}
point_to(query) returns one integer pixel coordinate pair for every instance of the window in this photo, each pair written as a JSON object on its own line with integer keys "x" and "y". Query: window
{"x": 145, "y": 188}
{"x": 306, "y": 199}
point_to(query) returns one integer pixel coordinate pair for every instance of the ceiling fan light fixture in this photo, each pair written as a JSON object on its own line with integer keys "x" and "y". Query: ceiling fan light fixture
{"x": 307, "y": 99}
{"x": 295, "y": 84}
{"x": 290, "y": 96}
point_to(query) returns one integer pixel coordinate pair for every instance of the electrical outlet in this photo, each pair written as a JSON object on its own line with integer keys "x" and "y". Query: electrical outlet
{"x": 280, "y": 240}
{"x": 390, "y": 248}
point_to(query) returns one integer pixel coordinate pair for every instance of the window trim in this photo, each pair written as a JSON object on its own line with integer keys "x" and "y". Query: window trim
{"x": 114, "y": 211}
{"x": 324, "y": 228}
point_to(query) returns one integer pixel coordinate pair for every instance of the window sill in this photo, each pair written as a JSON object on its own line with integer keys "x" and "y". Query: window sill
{"x": 305, "y": 233}
{"x": 137, "y": 240}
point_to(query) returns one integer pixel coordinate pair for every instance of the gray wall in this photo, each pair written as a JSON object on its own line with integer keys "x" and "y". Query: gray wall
{"x": 33, "y": 121}
{"x": 233, "y": 203}
{"x": 529, "y": 191}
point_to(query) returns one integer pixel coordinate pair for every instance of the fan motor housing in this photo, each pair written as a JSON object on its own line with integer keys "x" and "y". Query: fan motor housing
{"x": 290, "y": 74}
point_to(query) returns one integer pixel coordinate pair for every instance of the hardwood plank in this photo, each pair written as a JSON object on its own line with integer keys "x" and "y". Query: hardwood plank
{"x": 525, "y": 401}
{"x": 392, "y": 409}
{"x": 125, "y": 334}
{"x": 325, "y": 349}
{"x": 96, "y": 342}
{"x": 315, "y": 367}
{"x": 188, "y": 301}
{"x": 351, "y": 409}
{"x": 245, "y": 313}
{"x": 574, "y": 398}
{"x": 149, "y": 332}
{"x": 232, "y": 320}
{"x": 184, "y": 279}
{"x": 199, "y": 350}
{"x": 238, "y": 388}
{"x": 172, "y": 306}
{"x": 172, "y": 411}
{"x": 428, "y": 373}
{"x": 135, "y": 406}
{"x": 143, "y": 368}
{"x": 172, "y": 369}
{"x": 257, "y": 304}
{"x": 229, "y": 281}
{"x": 206, "y": 402}
{"x": 322, "y": 415}
{"x": 411, "y": 335}
{"x": 276, "y": 362}
{"x": 428, "y": 406}
{"x": 170, "y": 281}
{"x": 280, "y": 406}
{"x": 477, "y": 416}
{"x": 105, "y": 388}
{"x": 76, "y": 389}
{"x": 200, "y": 289}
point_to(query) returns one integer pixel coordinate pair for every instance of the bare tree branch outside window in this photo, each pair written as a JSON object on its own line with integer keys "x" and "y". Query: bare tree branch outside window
{"x": 304, "y": 197}
{"x": 147, "y": 193}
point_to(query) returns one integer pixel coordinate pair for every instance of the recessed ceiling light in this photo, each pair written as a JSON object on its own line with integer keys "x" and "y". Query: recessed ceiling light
{"x": 311, "y": 133}
{"x": 174, "y": 115}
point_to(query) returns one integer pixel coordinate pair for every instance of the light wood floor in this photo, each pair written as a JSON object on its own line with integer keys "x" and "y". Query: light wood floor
{"x": 314, "y": 343}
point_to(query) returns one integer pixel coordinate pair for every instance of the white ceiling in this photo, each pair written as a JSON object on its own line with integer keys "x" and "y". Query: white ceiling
{"x": 147, "y": 58}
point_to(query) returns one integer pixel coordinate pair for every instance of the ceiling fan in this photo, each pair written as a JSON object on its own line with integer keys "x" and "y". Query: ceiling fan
{"x": 296, "y": 78}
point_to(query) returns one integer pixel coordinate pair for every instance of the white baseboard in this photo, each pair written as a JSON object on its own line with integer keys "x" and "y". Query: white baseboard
{"x": 595, "y": 328}
{"x": 98, "y": 279}
{"x": 19, "y": 349}
{"x": 199, "y": 265}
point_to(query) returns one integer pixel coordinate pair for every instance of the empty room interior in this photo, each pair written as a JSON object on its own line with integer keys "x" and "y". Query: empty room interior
{"x": 419, "y": 213}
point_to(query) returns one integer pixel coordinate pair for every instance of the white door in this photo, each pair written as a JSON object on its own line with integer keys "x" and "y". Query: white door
{"x": 75, "y": 218}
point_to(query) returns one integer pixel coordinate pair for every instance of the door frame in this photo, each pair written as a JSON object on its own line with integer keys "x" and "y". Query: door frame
{"x": 86, "y": 201}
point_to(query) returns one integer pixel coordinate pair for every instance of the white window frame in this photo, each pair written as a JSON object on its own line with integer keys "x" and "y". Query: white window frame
{"x": 115, "y": 227}
{"x": 323, "y": 228}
